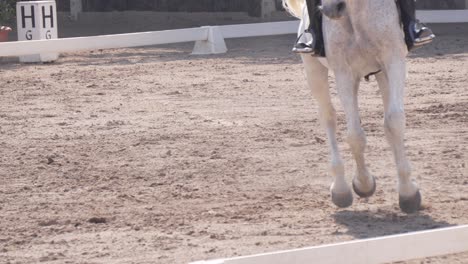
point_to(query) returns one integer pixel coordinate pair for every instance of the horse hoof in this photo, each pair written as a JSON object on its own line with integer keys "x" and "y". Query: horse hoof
{"x": 368, "y": 193}
{"x": 342, "y": 200}
{"x": 410, "y": 204}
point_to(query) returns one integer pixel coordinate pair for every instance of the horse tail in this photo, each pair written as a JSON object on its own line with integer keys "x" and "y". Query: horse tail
{"x": 294, "y": 7}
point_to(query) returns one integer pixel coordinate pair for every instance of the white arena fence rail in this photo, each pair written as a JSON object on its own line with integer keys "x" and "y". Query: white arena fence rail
{"x": 418, "y": 245}
{"x": 209, "y": 40}
{"x": 20, "y": 48}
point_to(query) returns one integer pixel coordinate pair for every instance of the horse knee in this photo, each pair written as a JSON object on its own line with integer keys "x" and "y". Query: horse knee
{"x": 394, "y": 124}
{"x": 327, "y": 114}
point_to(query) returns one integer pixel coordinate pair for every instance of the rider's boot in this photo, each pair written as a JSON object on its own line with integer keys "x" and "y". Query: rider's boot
{"x": 416, "y": 33}
{"x": 311, "y": 41}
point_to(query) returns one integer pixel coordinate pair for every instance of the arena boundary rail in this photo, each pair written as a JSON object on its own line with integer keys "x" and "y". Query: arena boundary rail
{"x": 417, "y": 245}
{"x": 209, "y": 40}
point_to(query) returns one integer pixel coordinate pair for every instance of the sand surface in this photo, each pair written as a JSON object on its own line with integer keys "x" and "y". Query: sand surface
{"x": 152, "y": 155}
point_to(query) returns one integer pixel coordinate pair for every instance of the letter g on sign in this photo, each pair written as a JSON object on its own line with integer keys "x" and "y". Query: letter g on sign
{"x": 28, "y": 35}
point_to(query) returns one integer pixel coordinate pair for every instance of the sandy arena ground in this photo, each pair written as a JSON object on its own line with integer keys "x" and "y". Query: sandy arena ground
{"x": 152, "y": 155}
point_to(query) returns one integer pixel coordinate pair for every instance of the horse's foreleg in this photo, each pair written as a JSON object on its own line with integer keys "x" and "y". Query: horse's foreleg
{"x": 363, "y": 183}
{"x": 392, "y": 83}
{"x": 317, "y": 79}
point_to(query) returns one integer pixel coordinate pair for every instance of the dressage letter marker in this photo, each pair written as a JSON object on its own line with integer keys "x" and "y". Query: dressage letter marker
{"x": 37, "y": 20}
{"x": 388, "y": 249}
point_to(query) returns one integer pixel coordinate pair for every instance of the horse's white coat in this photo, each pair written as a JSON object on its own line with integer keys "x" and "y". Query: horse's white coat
{"x": 364, "y": 38}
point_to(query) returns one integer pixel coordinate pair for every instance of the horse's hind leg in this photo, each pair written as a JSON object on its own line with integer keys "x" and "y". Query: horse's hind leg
{"x": 392, "y": 85}
{"x": 363, "y": 183}
{"x": 317, "y": 79}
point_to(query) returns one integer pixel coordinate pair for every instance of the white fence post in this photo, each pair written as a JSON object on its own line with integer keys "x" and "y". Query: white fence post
{"x": 214, "y": 44}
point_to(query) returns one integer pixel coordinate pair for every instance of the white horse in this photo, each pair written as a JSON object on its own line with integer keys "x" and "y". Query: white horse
{"x": 361, "y": 37}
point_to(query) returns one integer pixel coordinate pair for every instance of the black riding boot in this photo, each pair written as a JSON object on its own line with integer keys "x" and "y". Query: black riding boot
{"x": 416, "y": 33}
{"x": 311, "y": 41}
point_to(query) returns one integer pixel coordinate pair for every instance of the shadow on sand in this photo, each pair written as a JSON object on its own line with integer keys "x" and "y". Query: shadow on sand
{"x": 366, "y": 224}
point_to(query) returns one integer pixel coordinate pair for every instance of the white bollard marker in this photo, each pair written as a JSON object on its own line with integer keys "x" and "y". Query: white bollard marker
{"x": 214, "y": 44}
{"x": 37, "y": 20}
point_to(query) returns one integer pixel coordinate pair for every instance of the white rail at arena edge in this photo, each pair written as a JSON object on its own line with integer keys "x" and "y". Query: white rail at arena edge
{"x": 209, "y": 40}
{"x": 388, "y": 249}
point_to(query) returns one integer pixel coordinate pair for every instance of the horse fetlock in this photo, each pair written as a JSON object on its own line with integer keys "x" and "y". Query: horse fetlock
{"x": 357, "y": 140}
{"x": 404, "y": 172}
{"x": 337, "y": 168}
{"x": 407, "y": 188}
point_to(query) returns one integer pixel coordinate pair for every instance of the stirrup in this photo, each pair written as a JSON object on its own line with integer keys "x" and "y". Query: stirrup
{"x": 307, "y": 46}
{"x": 302, "y": 48}
{"x": 420, "y": 34}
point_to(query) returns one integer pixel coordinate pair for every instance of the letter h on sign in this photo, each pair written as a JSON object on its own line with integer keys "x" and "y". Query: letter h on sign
{"x": 24, "y": 17}
{"x": 38, "y": 21}
{"x": 44, "y": 17}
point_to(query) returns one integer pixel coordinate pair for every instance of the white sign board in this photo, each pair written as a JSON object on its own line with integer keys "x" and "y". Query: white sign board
{"x": 37, "y": 20}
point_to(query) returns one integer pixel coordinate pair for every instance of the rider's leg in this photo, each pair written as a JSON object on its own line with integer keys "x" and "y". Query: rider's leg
{"x": 311, "y": 41}
{"x": 416, "y": 33}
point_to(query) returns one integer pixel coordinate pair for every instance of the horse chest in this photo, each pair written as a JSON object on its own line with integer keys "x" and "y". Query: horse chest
{"x": 358, "y": 44}
{"x": 358, "y": 57}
